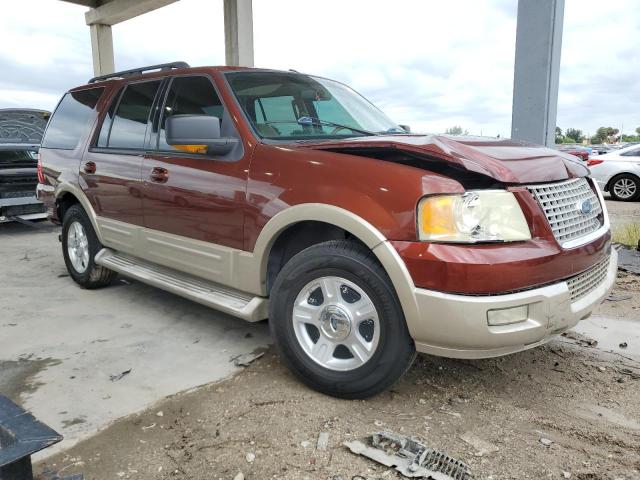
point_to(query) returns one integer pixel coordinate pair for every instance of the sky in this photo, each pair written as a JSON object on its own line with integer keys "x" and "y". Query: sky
{"x": 426, "y": 63}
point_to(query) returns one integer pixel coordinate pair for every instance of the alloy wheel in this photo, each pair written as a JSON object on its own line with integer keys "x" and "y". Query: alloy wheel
{"x": 336, "y": 323}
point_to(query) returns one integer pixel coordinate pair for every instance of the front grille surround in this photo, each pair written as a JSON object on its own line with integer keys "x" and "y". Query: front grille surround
{"x": 561, "y": 203}
{"x": 586, "y": 282}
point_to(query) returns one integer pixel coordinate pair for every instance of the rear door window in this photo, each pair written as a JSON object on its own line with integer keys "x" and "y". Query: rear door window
{"x": 71, "y": 120}
{"x": 189, "y": 96}
{"x": 129, "y": 125}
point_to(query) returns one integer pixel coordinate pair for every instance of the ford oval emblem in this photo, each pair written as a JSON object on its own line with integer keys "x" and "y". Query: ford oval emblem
{"x": 584, "y": 207}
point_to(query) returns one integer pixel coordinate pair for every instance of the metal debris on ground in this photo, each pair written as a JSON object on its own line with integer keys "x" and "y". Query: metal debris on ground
{"x": 410, "y": 457}
{"x": 629, "y": 260}
{"x": 119, "y": 376}
{"x": 580, "y": 339}
{"x": 245, "y": 359}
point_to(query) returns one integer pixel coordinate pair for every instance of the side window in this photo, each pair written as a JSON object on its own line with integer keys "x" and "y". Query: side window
{"x": 189, "y": 96}
{"x": 71, "y": 120}
{"x": 632, "y": 153}
{"x": 129, "y": 124}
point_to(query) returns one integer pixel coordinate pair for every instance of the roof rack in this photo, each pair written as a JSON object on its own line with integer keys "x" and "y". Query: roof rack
{"x": 139, "y": 71}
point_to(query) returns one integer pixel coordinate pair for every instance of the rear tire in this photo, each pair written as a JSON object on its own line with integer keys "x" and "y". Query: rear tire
{"x": 80, "y": 245}
{"x": 624, "y": 187}
{"x": 337, "y": 322}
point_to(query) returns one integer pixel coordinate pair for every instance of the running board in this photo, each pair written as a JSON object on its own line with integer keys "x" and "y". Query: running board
{"x": 228, "y": 300}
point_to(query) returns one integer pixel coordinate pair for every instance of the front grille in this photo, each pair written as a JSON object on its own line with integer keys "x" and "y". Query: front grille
{"x": 588, "y": 281}
{"x": 562, "y": 202}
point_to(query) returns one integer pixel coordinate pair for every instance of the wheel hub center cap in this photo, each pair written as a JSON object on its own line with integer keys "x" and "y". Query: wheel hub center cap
{"x": 335, "y": 323}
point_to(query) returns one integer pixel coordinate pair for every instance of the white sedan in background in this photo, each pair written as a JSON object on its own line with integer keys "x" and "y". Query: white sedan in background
{"x": 618, "y": 173}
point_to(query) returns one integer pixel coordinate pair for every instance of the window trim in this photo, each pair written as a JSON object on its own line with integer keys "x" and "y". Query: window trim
{"x": 118, "y": 99}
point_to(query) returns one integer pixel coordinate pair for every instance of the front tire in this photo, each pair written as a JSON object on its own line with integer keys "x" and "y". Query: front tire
{"x": 337, "y": 322}
{"x": 624, "y": 187}
{"x": 80, "y": 245}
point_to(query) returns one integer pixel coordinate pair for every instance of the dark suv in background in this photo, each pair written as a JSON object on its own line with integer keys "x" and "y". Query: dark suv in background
{"x": 21, "y": 132}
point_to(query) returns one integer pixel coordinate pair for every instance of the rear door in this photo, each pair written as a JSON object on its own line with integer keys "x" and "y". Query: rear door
{"x": 111, "y": 168}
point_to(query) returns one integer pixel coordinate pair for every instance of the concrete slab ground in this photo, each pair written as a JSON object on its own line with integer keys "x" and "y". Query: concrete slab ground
{"x": 62, "y": 347}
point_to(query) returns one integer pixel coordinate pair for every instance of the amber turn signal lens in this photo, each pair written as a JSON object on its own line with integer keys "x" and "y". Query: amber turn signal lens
{"x": 192, "y": 148}
{"x": 437, "y": 216}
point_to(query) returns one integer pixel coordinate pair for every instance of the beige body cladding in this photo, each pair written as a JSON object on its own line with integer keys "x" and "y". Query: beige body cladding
{"x": 234, "y": 281}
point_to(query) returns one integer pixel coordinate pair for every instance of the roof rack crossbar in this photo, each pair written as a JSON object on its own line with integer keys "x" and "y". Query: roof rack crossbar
{"x": 139, "y": 71}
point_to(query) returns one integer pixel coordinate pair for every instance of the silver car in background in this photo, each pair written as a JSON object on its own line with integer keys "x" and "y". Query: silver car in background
{"x": 618, "y": 173}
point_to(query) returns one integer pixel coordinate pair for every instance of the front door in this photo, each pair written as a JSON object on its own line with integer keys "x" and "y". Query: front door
{"x": 194, "y": 197}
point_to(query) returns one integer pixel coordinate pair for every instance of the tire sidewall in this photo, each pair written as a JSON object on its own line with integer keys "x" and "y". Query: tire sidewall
{"x": 381, "y": 368}
{"x": 77, "y": 214}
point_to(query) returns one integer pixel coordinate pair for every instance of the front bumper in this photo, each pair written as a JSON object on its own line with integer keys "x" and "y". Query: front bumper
{"x": 456, "y": 325}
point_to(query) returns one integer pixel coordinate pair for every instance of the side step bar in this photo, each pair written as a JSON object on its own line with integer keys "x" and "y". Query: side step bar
{"x": 228, "y": 300}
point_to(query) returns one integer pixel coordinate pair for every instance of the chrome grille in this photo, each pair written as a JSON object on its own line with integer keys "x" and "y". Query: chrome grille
{"x": 588, "y": 281}
{"x": 561, "y": 205}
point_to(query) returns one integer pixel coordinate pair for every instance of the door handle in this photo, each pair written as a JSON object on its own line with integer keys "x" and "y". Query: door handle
{"x": 159, "y": 175}
{"x": 89, "y": 167}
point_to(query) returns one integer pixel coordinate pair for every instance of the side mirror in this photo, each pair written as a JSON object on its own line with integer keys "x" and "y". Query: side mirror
{"x": 198, "y": 134}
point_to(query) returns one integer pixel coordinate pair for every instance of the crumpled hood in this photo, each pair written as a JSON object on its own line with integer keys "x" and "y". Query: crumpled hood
{"x": 508, "y": 161}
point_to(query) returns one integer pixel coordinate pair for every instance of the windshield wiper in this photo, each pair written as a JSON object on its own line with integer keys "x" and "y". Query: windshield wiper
{"x": 315, "y": 121}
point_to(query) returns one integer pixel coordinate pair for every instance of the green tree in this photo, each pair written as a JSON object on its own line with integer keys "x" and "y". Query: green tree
{"x": 559, "y": 136}
{"x": 456, "y": 130}
{"x": 575, "y": 134}
{"x": 638, "y": 131}
{"x": 568, "y": 140}
{"x": 605, "y": 135}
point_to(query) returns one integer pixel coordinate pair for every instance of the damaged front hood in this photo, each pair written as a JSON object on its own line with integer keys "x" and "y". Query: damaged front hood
{"x": 508, "y": 161}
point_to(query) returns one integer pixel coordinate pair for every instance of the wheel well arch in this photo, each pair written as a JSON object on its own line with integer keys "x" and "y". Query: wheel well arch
{"x": 631, "y": 174}
{"x": 63, "y": 203}
{"x": 296, "y": 238}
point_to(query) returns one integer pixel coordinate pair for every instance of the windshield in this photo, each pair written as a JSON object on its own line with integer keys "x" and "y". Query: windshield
{"x": 292, "y": 106}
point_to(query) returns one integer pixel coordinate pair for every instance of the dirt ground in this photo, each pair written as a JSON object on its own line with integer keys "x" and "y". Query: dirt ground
{"x": 583, "y": 399}
{"x": 566, "y": 410}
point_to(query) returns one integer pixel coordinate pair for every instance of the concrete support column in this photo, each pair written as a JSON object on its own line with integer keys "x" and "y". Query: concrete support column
{"x": 238, "y": 32}
{"x": 102, "y": 49}
{"x": 537, "y": 70}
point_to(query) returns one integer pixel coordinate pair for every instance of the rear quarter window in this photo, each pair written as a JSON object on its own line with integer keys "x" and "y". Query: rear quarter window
{"x": 70, "y": 122}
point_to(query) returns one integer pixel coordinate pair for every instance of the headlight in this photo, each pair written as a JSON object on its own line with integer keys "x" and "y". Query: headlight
{"x": 474, "y": 216}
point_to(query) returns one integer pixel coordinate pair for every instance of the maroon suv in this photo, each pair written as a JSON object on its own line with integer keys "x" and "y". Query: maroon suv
{"x": 270, "y": 194}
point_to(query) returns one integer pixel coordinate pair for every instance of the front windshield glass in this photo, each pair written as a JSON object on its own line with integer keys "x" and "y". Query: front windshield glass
{"x": 292, "y": 106}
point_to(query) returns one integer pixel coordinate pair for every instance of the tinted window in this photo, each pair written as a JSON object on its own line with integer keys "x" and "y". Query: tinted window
{"x": 189, "y": 96}
{"x": 129, "y": 124}
{"x": 70, "y": 121}
{"x": 106, "y": 123}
